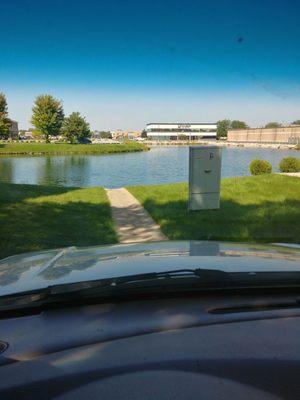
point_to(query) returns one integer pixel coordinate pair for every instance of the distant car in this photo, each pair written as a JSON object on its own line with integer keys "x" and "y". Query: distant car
{"x": 84, "y": 141}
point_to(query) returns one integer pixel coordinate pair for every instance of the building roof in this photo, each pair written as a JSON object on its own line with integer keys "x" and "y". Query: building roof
{"x": 182, "y": 123}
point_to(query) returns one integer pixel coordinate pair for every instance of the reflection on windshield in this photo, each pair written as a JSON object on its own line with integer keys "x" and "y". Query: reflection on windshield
{"x": 11, "y": 271}
{"x": 114, "y": 261}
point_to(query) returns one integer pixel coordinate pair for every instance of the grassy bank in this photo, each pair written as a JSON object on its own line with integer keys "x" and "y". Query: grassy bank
{"x": 256, "y": 209}
{"x": 65, "y": 148}
{"x": 42, "y": 217}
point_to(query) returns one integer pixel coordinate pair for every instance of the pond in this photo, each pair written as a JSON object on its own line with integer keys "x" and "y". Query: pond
{"x": 163, "y": 164}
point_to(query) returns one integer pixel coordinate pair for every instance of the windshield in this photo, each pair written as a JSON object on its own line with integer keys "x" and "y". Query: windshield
{"x": 143, "y": 137}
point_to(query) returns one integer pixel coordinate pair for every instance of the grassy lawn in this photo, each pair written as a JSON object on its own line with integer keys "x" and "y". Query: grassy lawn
{"x": 41, "y": 217}
{"x": 256, "y": 209}
{"x": 64, "y": 148}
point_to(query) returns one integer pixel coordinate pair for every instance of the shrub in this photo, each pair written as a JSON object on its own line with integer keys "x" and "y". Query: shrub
{"x": 183, "y": 137}
{"x": 260, "y": 167}
{"x": 289, "y": 164}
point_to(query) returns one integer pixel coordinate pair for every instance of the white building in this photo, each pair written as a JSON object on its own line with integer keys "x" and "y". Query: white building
{"x": 181, "y": 131}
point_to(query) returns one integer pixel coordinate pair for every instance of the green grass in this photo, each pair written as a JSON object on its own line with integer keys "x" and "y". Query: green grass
{"x": 256, "y": 209}
{"x": 41, "y": 217}
{"x": 65, "y": 148}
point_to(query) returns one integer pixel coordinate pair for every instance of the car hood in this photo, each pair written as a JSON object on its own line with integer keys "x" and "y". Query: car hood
{"x": 33, "y": 271}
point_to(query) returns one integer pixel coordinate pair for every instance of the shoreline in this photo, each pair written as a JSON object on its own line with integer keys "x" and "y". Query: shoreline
{"x": 274, "y": 146}
{"x": 40, "y": 149}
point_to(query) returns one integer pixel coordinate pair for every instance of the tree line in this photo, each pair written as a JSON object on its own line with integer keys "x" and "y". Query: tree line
{"x": 48, "y": 119}
{"x": 224, "y": 125}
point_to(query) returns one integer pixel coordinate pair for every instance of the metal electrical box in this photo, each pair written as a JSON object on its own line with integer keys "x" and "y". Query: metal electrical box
{"x": 204, "y": 177}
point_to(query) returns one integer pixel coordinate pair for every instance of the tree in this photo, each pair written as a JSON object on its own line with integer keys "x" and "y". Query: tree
{"x": 182, "y": 137}
{"x": 3, "y": 104}
{"x": 222, "y": 128}
{"x": 273, "y": 125}
{"x": 297, "y": 122}
{"x": 75, "y": 127}
{"x": 47, "y": 116}
{"x": 144, "y": 134}
{"x": 236, "y": 124}
{"x": 5, "y": 122}
{"x": 105, "y": 135}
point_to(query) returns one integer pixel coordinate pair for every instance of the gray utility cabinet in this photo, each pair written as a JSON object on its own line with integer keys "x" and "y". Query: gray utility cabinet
{"x": 204, "y": 177}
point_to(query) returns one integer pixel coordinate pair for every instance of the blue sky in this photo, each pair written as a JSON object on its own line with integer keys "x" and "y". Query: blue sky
{"x": 123, "y": 63}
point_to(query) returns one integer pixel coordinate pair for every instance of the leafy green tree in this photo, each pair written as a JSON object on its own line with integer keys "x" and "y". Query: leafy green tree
{"x": 297, "y": 122}
{"x": 273, "y": 125}
{"x": 3, "y": 104}
{"x": 75, "y": 127}
{"x": 105, "y": 135}
{"x": 236, "y": 124}
{"x": 47, "y": 116}
{"x": 5, "y": 122}
{"x": 222, "y": 128}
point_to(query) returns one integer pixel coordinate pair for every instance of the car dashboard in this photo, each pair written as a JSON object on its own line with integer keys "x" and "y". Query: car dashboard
{"x": 208, "y": 347}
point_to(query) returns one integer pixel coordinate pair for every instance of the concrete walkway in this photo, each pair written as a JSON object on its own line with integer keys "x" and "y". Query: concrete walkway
{"x": 132, "y": 221}
{"x": 297, "y": 174}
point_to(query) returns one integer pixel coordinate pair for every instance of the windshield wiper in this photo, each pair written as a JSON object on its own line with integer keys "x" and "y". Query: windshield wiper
{"x": 141, "y": 280}
{"x": 172, "y": 281}
{"x": 111, "y": 286}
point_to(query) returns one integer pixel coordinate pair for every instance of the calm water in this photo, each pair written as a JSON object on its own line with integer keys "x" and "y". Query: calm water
{"x": 159, "y": 165}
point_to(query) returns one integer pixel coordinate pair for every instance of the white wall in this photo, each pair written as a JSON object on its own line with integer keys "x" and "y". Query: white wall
{"x": 181, "y": 126}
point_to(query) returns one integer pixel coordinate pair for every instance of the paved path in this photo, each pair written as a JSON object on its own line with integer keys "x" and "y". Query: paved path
{"x": 297, "y": 174}
{"x": 132, "y": 221}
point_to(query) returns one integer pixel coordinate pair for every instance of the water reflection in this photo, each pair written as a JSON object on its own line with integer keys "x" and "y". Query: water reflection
{"x": 6, "y": 170}
{"x": 58, "y": 170}
{"x": 160, "y": 165}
